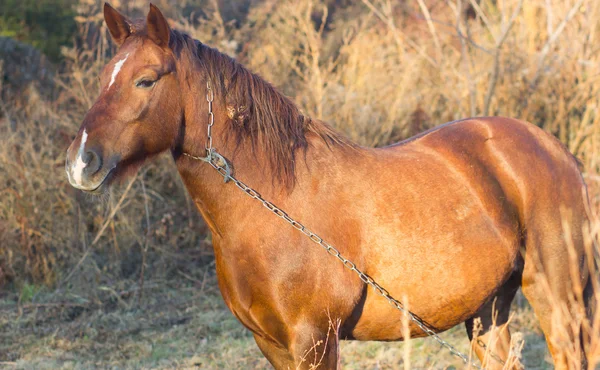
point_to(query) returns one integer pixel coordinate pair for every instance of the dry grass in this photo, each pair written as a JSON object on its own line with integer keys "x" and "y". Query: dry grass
{"x": 180, "y": 326}
{"x": 378, "y": 70}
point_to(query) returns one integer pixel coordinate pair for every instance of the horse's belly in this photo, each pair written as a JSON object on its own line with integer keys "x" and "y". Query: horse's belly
{"x": 443, "y": 285}
{"x": 388, "y": 323}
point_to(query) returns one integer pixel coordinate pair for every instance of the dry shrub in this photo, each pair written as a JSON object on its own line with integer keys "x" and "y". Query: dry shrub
{"x": 36, "y": 211}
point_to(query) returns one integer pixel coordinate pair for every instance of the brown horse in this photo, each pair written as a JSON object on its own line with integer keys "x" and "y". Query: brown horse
{"x": 453, "y": 220}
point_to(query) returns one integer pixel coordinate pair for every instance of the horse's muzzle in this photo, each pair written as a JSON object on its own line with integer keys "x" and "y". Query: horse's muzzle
{"x": 86, "y": 172}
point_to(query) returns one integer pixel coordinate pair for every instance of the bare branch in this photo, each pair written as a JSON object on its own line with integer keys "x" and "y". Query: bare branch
{"x": 549, "y": 17}
{"x": 464, "y": 55}
{"x": 398, "y": 35}
{"x": 431, "y": 27}
{"x": 481, "y": 15}
{"x": 496, "y": 69}
{"x": 554, "y": 36}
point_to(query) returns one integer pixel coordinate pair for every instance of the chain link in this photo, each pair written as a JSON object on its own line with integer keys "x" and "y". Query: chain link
{"x": 492, "y": 354}
{"x": 210, "y": 96}
{"x": 219, "y": 163}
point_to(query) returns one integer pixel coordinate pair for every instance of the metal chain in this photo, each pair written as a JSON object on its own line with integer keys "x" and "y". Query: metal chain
{"x": 212, "y": 156}
{"x": 489, "y": 352}
{"x": 219, "y": 163}
{"x": 210, "y": 96}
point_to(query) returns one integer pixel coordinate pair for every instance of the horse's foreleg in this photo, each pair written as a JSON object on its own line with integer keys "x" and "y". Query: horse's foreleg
{"x": 309, "y": 350}
{"x": 316, "y": 350}
{"x": 279, "y": 357}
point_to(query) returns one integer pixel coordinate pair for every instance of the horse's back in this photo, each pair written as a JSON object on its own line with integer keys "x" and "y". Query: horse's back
{"x": 516, "y": 168}
{"x": 528, "y": 163}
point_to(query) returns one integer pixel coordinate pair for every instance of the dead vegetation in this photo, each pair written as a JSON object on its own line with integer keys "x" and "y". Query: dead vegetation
{"x": 378, "y": 70}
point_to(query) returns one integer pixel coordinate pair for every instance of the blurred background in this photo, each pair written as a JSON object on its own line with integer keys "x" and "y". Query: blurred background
{"x": 127, "y": 281}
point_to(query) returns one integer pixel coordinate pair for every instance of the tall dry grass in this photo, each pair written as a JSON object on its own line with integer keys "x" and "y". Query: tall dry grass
{"x": 378, "y": 70}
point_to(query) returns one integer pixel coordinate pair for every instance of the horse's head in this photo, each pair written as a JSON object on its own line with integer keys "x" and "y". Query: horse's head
{"x": 139, "y": 110}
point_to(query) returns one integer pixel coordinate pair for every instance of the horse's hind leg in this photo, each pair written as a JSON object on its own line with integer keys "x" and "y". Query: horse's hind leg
{"x": 492, "y": 344}
{"x": 536, "y": 292}
{"x": 549, "y": 284}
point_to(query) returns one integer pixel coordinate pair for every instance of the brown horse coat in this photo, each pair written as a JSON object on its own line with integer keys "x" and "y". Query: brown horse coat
{"x": 450, "y": 222}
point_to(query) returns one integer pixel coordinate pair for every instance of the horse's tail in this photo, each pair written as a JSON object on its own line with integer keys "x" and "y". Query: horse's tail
{"x": 590, "y": 297}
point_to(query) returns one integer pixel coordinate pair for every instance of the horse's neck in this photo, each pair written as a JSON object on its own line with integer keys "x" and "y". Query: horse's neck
{"x": 218, "y": 202}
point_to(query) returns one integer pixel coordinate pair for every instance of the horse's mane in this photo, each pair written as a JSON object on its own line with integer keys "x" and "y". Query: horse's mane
{"x": 256, "y": 110}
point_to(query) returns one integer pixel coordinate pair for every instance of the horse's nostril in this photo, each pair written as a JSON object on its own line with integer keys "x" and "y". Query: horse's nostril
{"x": 87, "y": 157}
{"x": 93, "y": 162}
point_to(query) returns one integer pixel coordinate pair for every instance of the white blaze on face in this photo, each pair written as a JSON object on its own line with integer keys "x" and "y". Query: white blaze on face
{"x": 118, "y": 66}
{"x": 79, "y": 164}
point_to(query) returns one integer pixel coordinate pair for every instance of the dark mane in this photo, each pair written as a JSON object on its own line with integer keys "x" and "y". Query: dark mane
{"x": 257, "y": 111}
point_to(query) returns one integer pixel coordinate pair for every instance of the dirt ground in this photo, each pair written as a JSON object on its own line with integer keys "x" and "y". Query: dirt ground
{"x": 183, "y": 323}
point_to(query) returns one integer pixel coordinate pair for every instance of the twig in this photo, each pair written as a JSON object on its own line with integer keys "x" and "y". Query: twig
{"x": 551, "y": 39}
{"x": 145, "y": 246}
{"x": 464, "y": 56}
{"x": 389, "y": 21}
{"x": 481, "y": 15}
{"x": 55, "y": 304}
{"x": 124, "y": 293}
{"x": 99, "y": 234}
{"x": 188, "y": 203}
{"x": 217, "y": 16}
{"x": 549, "y": 17}
{"x": 406, "y": 335}
{"x": 115, "y": 294}
{"x": 113, "y": 213}
{"x": 496, "y": 70}
{"x": 431, "y": 27}
{"x": 192, "y": 279}
{"x": 544, "y": 52}
{"x": 203, "y": 281}
{"x": 559, "y": 29}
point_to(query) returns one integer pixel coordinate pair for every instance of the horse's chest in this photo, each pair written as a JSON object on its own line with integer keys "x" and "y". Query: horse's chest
{"x": 271, "y": 291}
{"x": 248, "y": 293}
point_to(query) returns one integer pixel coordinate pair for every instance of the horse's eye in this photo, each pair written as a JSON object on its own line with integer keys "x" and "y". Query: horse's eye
{"x": 145, "y": 84}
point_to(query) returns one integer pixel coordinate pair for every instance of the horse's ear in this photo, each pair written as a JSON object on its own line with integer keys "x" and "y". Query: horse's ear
{"x": 118, "y": 25}
{"x": 158, "y": 28}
